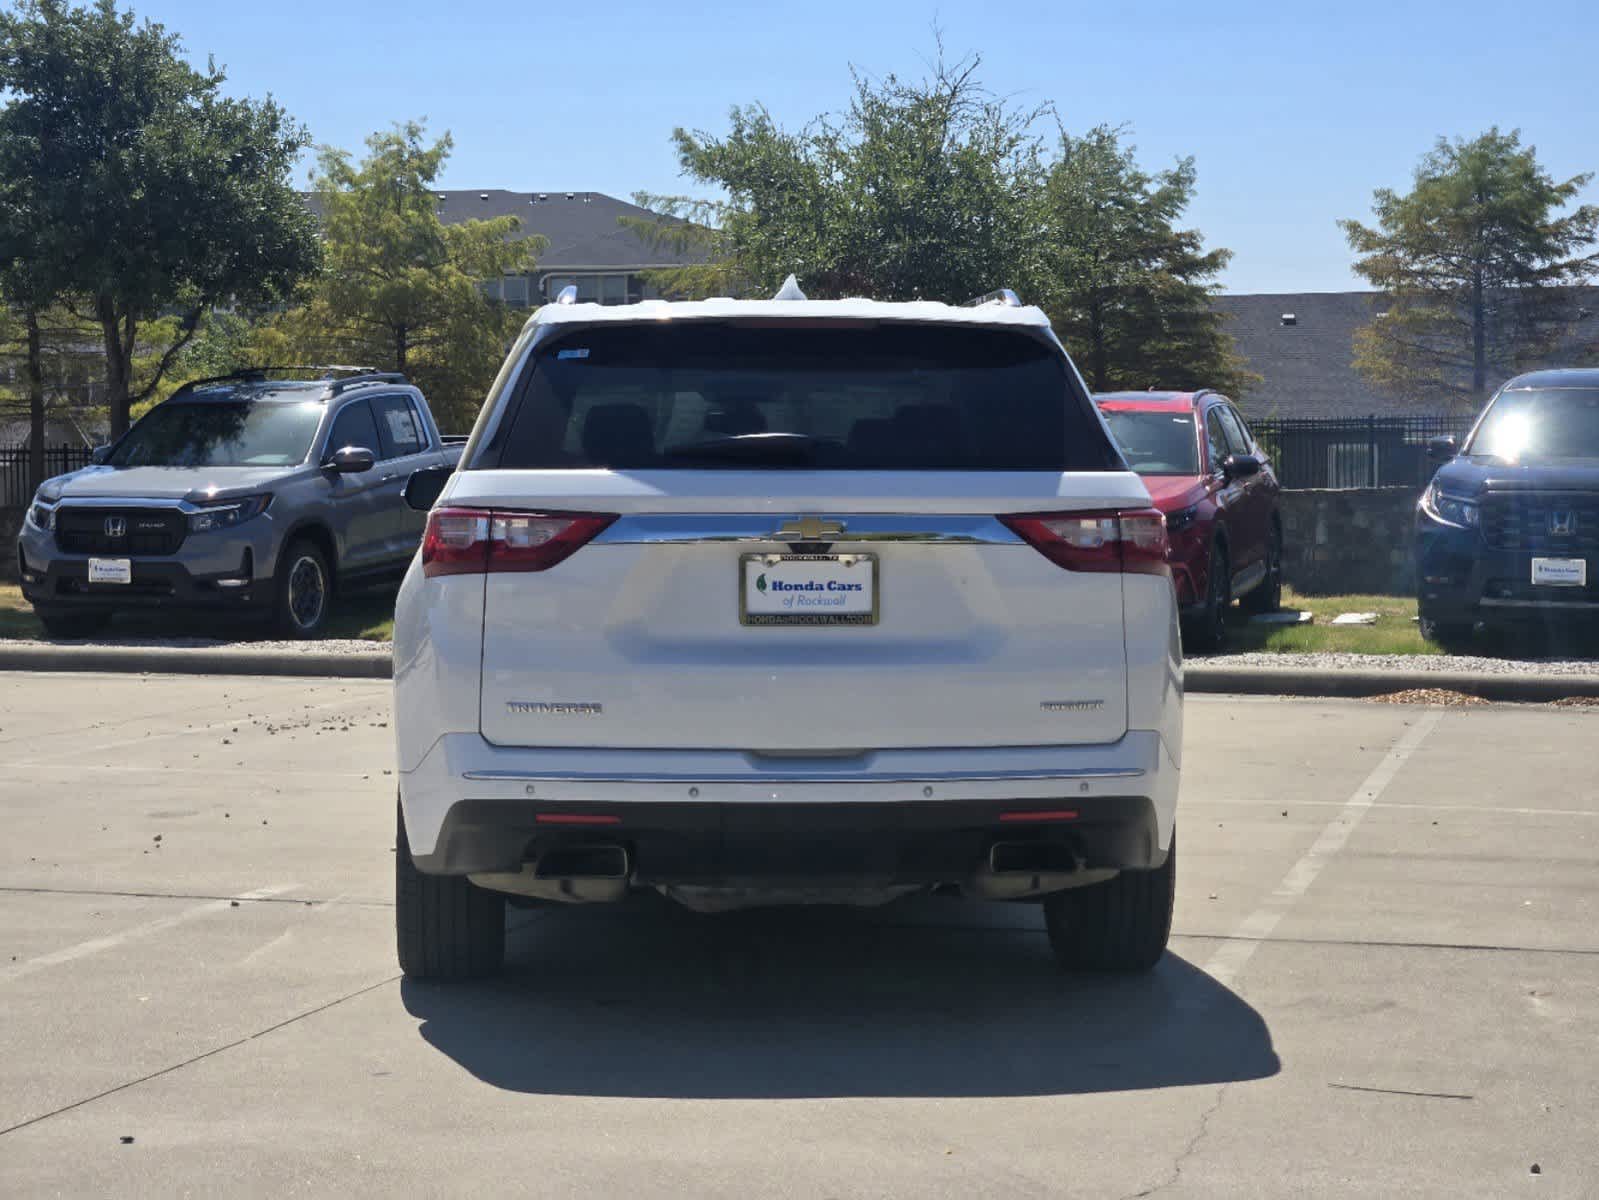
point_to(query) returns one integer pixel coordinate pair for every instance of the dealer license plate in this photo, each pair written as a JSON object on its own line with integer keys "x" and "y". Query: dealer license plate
{"x": 808, "y": 589}
{"x": 1560, "y": 572}
{"x": 110, "y": 570}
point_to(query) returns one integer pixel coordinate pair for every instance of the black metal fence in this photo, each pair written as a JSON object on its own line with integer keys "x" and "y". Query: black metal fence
{"x": 16, "y": 489}
{"x": 1354, "y": 453}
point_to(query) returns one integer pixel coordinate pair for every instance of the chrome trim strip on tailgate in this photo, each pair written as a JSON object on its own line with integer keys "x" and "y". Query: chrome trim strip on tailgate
{"x": 942, "y": 530}
{"x": 767, "y": 777}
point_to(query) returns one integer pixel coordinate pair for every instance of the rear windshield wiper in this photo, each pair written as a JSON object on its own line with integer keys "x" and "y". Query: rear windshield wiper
{"x": 749, "y": 447}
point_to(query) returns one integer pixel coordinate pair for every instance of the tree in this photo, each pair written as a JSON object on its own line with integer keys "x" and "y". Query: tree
{"x": 1476, "y": 267}
{"x": 27, "y": 289}
{"x": 401, "y": 289}
{"x": 920, "y": 191}
{"x": 1127, "y": 290}
{"x": 164, "y": 196}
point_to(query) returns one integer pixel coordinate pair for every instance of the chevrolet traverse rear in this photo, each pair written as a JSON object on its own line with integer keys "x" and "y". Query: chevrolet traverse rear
{"x": 789, "y": 601}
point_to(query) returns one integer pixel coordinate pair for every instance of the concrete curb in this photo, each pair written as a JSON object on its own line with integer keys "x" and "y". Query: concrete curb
{"x": 1525, "y": 687}
{"x": 1200, "y": 678}
{"x": 200, "y": 660}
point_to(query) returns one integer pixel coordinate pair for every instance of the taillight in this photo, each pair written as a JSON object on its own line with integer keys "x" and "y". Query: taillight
{"x": 475, "y": 541}
{"x": 1132, "y": 541}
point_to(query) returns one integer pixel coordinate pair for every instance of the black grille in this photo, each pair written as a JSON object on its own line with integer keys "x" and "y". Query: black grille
{"x": 123, "y": 531}
{"x": 1555, "y": 524}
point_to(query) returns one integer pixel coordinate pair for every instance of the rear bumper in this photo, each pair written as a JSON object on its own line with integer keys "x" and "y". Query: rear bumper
{"x": 729, "y": 818}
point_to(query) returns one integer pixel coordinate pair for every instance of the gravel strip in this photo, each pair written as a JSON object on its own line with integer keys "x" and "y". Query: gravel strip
{"x": 1327, "y": 660}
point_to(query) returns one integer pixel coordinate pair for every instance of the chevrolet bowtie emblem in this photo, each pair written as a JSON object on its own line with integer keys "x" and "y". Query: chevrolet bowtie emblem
{"x": 809, "y": 529}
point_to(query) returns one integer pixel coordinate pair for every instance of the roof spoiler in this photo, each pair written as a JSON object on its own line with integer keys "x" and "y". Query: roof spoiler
{"x": 999, "y": 296}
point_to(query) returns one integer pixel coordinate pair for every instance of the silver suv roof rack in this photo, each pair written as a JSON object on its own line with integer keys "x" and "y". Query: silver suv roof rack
{"x": 999, "y": 296}
{"x": 265, "y": 374}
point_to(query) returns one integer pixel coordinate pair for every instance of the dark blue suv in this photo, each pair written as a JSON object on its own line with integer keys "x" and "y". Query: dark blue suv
{"x": 1507, "y": 532}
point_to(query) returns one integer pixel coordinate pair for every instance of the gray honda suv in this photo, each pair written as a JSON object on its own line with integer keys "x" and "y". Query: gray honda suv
{"x": 246, "y": 494}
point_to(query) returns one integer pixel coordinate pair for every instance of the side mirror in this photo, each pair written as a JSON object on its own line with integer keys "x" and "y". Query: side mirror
{"x": 100, "y": 455}
{"x": 1442, "y": 449}
{"x": 1240, "y": 466}
{"x": 351, "y": 460}
{"x": 423, "y": 488}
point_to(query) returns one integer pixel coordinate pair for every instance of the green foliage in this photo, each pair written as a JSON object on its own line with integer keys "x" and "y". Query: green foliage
{"x": 920, "y": 191}
{"x": 400, "y": 289}
{"x": 158, "y": 193}
{"x": 1127, "y": 290}
{"x": 936, "y": 189}
{"x": 1476, "y": 267}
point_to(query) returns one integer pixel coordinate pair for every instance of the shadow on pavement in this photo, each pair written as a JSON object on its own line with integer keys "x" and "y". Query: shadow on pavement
{"x": 930, "y": 997}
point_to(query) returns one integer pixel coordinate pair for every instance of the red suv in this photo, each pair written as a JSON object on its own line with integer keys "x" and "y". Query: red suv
{"x": 1205, "y": 471}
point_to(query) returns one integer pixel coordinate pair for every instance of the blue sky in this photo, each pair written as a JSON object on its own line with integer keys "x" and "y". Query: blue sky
{"x": 1293, "y": 112}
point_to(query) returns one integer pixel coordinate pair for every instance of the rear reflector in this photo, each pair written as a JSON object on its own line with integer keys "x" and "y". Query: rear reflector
{"x": 576, "y": 819}
{"x": 1131, "y": 541}
{"x": 475, "y": 541}
{"x": 1057, "y": 814}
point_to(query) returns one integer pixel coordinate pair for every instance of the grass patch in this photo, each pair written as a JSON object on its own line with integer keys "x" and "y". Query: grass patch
{"x": 1395, "y": 632}
{"x": 16, "y": 615}
{"x": 364, "y": 616}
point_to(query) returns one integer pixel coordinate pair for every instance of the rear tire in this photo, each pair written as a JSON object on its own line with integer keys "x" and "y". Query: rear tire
{"x": 1268, "y": 594}
{"x": 445, "y": 926}
{"x": 1207, "y": 631}
{"x": 304, "y": 592}
{"x": 73, "y": 625}
{"x": 1122, "y": 924}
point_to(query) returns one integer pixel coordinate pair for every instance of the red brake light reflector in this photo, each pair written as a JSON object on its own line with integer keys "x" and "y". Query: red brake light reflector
{"x": 1055, "y": 814}
{"x": 576, "y": 819}
{"x": 474, "y": 541}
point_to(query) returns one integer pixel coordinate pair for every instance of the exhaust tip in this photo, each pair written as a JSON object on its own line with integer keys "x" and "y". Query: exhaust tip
{"x": 583, "y": 862}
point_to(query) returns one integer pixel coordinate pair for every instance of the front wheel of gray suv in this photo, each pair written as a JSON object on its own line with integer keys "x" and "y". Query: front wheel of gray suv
{"x": 1122, "y": 924}
{"x": 304, "y": 592}
{"x": 445, "y": 926}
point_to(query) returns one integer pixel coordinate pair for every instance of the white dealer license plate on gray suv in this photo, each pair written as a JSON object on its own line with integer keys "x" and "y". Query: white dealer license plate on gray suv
{"x": 808, "y": 589}
{"x": 110, "y": 570}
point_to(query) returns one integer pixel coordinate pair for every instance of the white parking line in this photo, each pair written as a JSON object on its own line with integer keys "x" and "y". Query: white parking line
{"x": 111, "y": 941}
{"x": 1224, "y": 965}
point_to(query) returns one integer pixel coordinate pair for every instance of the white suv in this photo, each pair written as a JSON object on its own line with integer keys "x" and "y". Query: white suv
{"x": 787, "y": 601}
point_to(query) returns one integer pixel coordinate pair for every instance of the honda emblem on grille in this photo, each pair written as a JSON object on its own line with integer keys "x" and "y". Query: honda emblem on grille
{"x": 116, "y": 527}
{"x": 1562, "y": 522}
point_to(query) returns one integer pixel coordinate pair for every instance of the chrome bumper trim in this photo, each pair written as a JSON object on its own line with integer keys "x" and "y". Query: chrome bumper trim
{"x": 939, "y": 530}
{"x": 767, "y": 777}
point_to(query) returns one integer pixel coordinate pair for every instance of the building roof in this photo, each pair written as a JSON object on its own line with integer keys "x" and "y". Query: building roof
{"x": 584, "y": 228}
{"x": 1308, "y": 365}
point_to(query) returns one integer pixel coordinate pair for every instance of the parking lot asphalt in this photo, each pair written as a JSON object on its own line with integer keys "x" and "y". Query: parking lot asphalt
{"x": 1384, "y": 981}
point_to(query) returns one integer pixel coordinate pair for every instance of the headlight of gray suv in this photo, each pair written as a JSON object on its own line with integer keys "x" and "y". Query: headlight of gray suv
{"x": 224, "y": 514}
{"x": 1459, "y": 511}
{"x": 41, "y": 516}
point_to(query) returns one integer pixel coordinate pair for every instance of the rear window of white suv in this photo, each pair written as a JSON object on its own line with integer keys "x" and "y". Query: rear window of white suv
{"x": 812, "y": 396}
